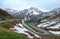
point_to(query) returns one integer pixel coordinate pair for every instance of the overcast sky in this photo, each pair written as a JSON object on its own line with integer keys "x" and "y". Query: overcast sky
{"x": 44, "y": 5}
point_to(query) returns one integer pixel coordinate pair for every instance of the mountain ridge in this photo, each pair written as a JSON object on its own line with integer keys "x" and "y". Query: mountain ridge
{"x": 33, "y": 13}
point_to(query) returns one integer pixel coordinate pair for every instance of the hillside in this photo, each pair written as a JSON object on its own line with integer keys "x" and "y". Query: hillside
{"x": 6, "y": 33}
{"x": 7, "y": 22}
{"x": 4, "y": 15}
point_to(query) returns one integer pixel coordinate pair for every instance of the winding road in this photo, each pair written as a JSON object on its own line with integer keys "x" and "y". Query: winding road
{"x": 41, "y": 29}
{"x": 30, "y": 29}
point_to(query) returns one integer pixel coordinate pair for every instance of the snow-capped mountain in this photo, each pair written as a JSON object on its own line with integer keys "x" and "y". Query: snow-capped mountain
{"x": 33, "y": 13}
{"x": 29, "y": 13}
{"x": 36, "y": 14}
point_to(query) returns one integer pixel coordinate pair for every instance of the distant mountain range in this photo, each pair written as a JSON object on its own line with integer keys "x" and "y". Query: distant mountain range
{"x": 33, "y": 14}
{"x": 36, "y": 14}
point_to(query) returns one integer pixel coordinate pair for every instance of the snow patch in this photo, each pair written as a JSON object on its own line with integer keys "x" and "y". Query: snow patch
{"x": 56, "y": 26}
{"x": 47, "y": 23}
{"x": 55, "y": 32}
{"x": 21, "y": 30}
{"x": 36, "y": 13}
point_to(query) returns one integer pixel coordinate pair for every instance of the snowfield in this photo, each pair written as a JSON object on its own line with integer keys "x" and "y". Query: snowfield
{"x": 56, "y": 26}
{"x": 21, "y": 30}
{"x": 55, "y": 32}
{"x": 49, "y": 24}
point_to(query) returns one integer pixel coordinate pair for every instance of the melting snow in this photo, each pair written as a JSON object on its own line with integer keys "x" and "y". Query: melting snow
{"x": 21, "y": 30}
{"x": 55, "y": 32}
{"x": 56, "y": 26}
{"x": 36, "y": 13}
{"x": 47, "y": 23}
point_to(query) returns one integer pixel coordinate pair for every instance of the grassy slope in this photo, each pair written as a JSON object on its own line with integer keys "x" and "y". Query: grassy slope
{"x": 9, "y": 24}
{"x": 5, "y": 33}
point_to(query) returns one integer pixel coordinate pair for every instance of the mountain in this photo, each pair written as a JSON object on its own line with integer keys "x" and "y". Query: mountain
{"x": 28, "y": 14}
{"x": 51, "y": 24}
{"x": 11, "y": 11}
{"x": 46, "y": 22}
{"x": 33, "y": 13}
{"x": 36, "y": 14}
{"x": 4, "y": 15}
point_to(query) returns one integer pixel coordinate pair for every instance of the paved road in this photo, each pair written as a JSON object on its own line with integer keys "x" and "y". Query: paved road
{"x": 30, "y": 28}
{"x": 8, "y": 20}
{"x": 27, "y": 26}
{"x": 41, "y": 29}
